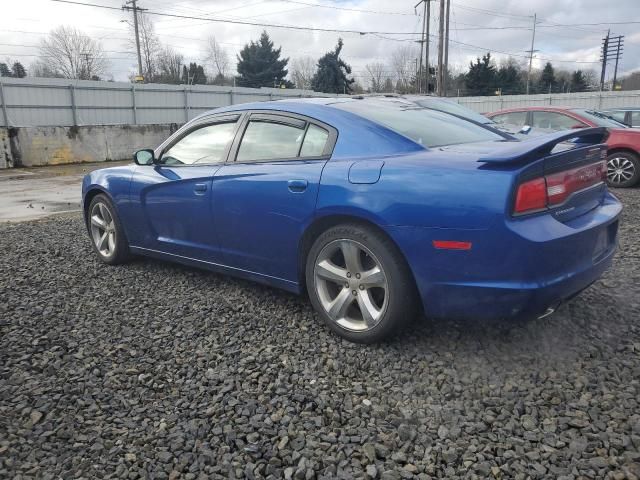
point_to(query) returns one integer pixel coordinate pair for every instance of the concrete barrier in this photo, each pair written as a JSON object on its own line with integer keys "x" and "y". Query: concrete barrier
{"x": 38, "y": 146}
{"x": 6, "y": 159}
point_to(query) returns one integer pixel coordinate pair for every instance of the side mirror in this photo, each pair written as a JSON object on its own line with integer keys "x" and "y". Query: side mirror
{"x": 525, "y": 130}
{"x": 144, "y": 157}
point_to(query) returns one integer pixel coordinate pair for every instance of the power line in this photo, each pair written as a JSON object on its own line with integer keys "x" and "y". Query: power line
{"x": 333, "y": 7}
{"x": 299, "y": 27}
{"x": 490, "y": 12}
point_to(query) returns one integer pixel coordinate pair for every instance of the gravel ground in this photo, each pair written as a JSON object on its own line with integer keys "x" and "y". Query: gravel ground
{"x": 152, "y": 370}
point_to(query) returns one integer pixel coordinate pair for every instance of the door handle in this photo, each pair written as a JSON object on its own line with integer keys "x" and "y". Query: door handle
{"x": 200, "y": 188}
{"x": 297, "y": 186}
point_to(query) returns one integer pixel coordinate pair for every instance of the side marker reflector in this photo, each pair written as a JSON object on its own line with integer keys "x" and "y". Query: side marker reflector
{"x": 451, "y": 245}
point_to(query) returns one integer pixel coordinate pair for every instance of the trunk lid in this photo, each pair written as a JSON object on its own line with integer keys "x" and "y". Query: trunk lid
{"x": 562, "y": 174}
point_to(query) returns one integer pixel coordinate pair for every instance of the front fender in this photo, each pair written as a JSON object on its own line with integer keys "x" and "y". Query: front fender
{"x": 115, "y": 182}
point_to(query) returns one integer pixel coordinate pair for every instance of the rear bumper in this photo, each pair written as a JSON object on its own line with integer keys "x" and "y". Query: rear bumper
{"x": 516, "y": 268}
{"x": 484, "y": 302}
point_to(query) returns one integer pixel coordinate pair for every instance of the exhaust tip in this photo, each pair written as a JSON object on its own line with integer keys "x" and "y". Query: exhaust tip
{"x": 548, "y": 312}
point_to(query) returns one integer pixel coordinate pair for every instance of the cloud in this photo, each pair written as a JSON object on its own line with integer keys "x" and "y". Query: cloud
{"x": 475, "y": 29}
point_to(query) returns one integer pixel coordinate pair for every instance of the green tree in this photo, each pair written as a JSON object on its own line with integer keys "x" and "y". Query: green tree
{"x": 578, "y": 82}
{"x": 18, "y": 70}
{"x": 194, "y": 75}
{"x": 260, "y": 65}
{"x": 509, "y": 79}
{"x": 547, "y": 82}
{"x": 331, "y": 76}
{"x": 4, "y": 70}
{"x": 481, "y": 77}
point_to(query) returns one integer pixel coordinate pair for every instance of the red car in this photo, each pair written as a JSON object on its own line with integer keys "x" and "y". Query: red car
{"x": 623, "y": 144}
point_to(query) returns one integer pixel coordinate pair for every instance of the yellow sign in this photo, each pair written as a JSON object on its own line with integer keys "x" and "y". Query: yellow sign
{"x": 139, "y": 78}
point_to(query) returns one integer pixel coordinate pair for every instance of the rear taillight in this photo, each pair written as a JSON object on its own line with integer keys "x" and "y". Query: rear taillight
{"x": 554, "y": 189}
{"x": 532, "y": 195}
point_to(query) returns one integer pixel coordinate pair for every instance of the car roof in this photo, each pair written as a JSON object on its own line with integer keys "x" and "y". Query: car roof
{"x": 621, "y": 109}
{"x": 550, "y": 108}
{"x": 367, "y": 137}
{"x": 317, "y": 107}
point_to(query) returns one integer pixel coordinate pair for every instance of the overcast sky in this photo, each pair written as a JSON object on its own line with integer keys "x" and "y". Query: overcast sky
{"x": 25, "y": 22}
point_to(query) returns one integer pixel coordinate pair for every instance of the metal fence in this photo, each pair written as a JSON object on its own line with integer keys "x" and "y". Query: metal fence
{"x": 593, "y": 100}
{"x": 59, "y": 102}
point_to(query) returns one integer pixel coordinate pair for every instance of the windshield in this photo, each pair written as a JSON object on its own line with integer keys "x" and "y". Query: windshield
{"x": 430, "y": 128}
{"x": 448, "y": 106}
{"x": 599, "y": 118}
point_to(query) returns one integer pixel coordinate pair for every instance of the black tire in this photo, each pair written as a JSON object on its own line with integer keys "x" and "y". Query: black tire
{"x": 120, "y": 251}
{"x": 400, "y": 302}
{"x": 626, "y": 160}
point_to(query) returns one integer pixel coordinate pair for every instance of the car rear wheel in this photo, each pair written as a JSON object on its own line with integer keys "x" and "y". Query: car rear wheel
{"x": 359, "y": 283}
{"x": 106, "y": 232}
{"x": 623, "y": 169}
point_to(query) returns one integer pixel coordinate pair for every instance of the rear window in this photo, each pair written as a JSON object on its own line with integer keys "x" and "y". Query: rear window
{"x": 600, "y": 119}
{"x": 518, "y": 119}
{"x": 454, "y": 108}
{"x": 429, "y": 128}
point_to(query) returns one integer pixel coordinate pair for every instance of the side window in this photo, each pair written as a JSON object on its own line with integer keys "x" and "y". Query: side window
{"x": 617, "y": 115}
{"x": 314, "y": 141}
{"x": 205, "y": 145}
{"x": 269, "y": 140}
{"x": 554, "y": 121}
{"x": 635, "y": 119}
{"x": 518, "y": 119}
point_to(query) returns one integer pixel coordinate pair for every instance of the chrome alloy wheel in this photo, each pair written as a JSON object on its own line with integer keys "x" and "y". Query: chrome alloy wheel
{"x": 103, "y": 229}
{"x": 351, "y": 285}
{"x": 619, "y": 170}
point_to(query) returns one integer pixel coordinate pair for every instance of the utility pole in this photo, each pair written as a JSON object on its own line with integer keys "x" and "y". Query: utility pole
{"x": 619, "y": 40}
{"x": 445, "y": 70}
{"x": 87, "y": 72}
{"x": 440, "y": 49}
{"x": 605, "y": 52}
{"x": 422, "y": 41}
{"x": 426, "y": 54}
{"x": 611, "y": 47}
{"x": 531, "y": 52}
{"x": 135, "y": 9}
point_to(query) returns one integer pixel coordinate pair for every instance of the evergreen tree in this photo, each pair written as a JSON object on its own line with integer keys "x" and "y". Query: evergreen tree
{"x": 18, "y": 70}
{"x": 578, "y": 81}
{"x": 260, "y": 65}
{"x": 194, "y": 75}
{"x": 4, "y": 70}
{"x": 509, "y": 79}
{"x": 331, "y": 76}
{"x": 481, "y": 77}
{"x": 547, "y": 82}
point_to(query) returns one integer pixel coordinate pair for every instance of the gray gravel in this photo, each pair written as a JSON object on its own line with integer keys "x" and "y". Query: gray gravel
{"x": 152, "y": 370}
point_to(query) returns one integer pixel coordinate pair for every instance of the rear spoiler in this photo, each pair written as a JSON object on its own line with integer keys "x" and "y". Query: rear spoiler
{"x": 538, "y": 147}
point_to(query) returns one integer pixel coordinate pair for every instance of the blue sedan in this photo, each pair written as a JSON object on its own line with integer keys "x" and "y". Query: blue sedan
{"x": 377, "y": 208}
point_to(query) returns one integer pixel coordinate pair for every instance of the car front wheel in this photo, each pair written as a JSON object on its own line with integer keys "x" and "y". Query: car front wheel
{"x": 623, "y": 169}
{"x": 359, "y": 283}
{"x": 106, "y": 232}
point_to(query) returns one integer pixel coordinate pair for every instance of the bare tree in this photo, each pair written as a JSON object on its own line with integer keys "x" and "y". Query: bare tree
{"x": 377, "y": 76}
{"x": 40, "y": 69}
{"x": 403, "y": 65}
{"x": 218, "y": 58}
{"x": 69, "y": 53}
{"x": 170, "y": 65}
{"x": 302, "y": 71}
{"x": 150, "y": 46}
